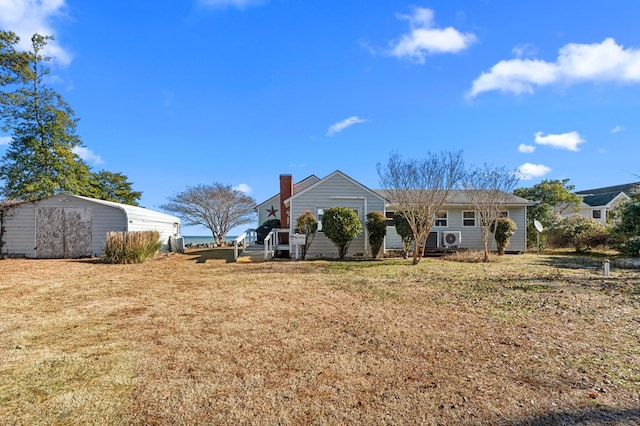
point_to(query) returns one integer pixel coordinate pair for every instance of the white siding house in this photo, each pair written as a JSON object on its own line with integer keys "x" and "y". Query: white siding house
{"x": 599, "y": 202}
{"x": 71, "y": 226}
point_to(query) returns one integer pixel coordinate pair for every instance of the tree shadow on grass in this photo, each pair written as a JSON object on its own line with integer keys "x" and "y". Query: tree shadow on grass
{"x": 591, "y": 416}
{"x": 216, "y": 254}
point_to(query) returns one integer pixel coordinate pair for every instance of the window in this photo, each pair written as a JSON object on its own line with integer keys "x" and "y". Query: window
{"x": 389, "y": 216}
{"x": 441, "y": 219}
{"x": 596, "y": 214}
{"x": 468, "y": 218}
{"x": 320, "y": 213}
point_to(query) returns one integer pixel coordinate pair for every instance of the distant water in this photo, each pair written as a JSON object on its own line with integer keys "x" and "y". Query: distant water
{"x": 203, "y": 239}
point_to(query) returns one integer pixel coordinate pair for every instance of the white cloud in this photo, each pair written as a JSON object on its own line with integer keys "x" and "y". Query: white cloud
{"x": 87, "y": 155}
{"x": 528, "y": 171}
{"x": 618, "y": 129}
{"x": 602, "y": 62}
{"x": 5, "y": 140}
{"x": 240, "y": 4}
{"x": 338, "y": 127}
{"x": 243, "y": 187}
{"x": 569, "y": 141}
{"x": 424, "y": 38}
{"x": 527, "y": 149}
{"x": 27, "y": 17}
{"x": 524, "y": 50}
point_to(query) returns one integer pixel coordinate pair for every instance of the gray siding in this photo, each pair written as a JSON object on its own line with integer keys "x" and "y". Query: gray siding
{"x": 263, "y": 215}
{"x": 105, "y": 217}
{"x": 20, "y": 237}
{"x": 274, "y": 201}
{"x": 336, "y": 191}
{"x": 471, "y": 237}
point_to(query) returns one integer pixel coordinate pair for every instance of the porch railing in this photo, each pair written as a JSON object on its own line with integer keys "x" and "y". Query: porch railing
{"x": 243, "y": 240}
{"x": 270, "y": 243}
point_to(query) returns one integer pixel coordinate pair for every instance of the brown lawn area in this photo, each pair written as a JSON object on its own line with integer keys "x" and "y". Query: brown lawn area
{"x": 191, "y": 339}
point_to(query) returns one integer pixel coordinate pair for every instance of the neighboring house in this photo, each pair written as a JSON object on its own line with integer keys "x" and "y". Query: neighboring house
{"x": 455, "y": 227}
{"x": 71, "y": 226}
{"x": 599, "y": 202}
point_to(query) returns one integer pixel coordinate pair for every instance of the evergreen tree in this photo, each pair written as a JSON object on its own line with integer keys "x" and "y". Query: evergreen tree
{"x": 40, "y": 160}
{"x": 115, "y": 187}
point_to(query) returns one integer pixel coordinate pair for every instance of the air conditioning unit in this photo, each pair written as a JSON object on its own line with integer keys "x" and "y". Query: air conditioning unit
{"x": 451, "y": 238}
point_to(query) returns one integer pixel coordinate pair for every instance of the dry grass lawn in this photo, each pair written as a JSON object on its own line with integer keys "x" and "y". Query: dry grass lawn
{"x": 189, "y": 339}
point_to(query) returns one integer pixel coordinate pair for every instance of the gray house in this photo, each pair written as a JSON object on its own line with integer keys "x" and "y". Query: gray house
{"x": 456, "y": 225}
{"x": 71, "y": 226}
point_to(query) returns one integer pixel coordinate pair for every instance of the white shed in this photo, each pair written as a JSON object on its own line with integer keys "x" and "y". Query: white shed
{"x": 71, "y": 226}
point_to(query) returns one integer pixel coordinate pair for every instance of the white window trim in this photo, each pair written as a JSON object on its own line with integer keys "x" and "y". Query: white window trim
{"x": 475, "y": 219}
{"x": 319, "y": 218}
{"x": 445, "y": 218}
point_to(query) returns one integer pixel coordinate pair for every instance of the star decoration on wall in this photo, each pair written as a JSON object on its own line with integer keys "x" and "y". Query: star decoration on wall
{"x": 272, "y": 211}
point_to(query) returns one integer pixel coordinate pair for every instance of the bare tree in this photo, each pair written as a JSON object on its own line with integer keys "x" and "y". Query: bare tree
{"x": 489, "y": 190}
{"x": 217, "y": 207}
{"x": 418, "y": 189}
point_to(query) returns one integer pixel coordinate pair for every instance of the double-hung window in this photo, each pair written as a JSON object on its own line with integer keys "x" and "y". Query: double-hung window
{"x": 441, "y": 219}
{"x": 468, "y": 218}
{"x": 320, "y": 214}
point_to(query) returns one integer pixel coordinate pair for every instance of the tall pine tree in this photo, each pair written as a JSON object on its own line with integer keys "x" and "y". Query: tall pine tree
{"x": 40, "y": 160}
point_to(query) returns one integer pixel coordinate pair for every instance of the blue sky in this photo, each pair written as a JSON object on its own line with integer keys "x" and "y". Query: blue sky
{"x": 180, "y": 93}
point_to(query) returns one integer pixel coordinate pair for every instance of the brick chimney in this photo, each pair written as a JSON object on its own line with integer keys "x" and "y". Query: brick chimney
{"x": 286, "y": 191}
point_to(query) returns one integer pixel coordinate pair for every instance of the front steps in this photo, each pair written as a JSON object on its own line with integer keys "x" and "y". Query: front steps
{"x": 252, "y": 254}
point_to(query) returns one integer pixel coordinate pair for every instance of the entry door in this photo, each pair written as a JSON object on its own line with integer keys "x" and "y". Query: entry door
{"x": 63, "y": 232}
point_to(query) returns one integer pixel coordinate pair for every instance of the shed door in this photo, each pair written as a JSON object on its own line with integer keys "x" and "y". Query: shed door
{"x": 63, "y": 232}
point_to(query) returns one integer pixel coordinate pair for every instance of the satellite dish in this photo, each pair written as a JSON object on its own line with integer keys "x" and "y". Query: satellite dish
{"x": 538, "y": 226}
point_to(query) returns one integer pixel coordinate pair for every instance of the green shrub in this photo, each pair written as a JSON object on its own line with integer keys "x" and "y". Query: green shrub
{"x": 503, "y": 228}
{"x": 131, "y": 247}
{"x": 377, "y": 230}
{"x": 341, "y": 225}
{"x": 581, "y": 233}
{"x": 404, "y": 230}
{"x": 307, "y": 224}
{"x": 626, "y": 232}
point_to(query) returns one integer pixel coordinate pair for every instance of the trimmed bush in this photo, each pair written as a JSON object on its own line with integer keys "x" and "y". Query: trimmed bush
{"x": 503, "y": 228}
{"x": 341, "y": 225}
{"x": 307, "y": 224}
{"x": 131, "y": 247}
{"x": 377, "y": 230}
{"x": 404, "y": 230}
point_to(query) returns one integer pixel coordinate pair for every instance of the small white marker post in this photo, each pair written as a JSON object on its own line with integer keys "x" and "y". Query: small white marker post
{"x": 605, "y": 267}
